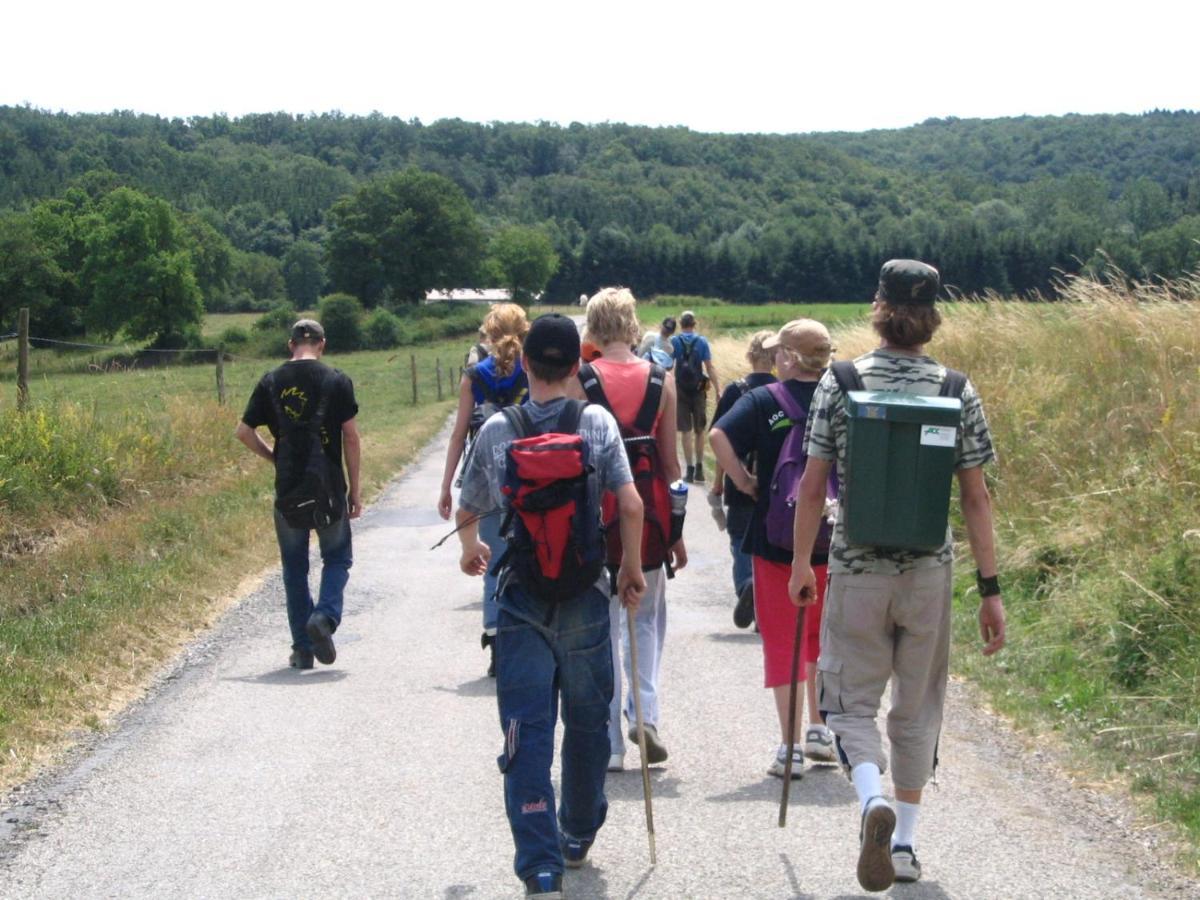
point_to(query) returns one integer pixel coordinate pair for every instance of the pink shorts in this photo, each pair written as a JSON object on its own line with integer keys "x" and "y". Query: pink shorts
{"x": 776, "y": 618}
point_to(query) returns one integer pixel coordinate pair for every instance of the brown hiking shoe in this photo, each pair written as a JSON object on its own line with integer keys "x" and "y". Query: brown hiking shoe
{"x": 875, "y": 870}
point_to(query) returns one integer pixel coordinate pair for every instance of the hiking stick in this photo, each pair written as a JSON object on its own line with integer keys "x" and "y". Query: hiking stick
{"x": 641, "y": 733}
{"x": 791, "y": 727}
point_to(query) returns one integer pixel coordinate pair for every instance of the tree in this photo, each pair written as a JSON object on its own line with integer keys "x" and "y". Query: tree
{"x": 524, "y": 260}
{"x": 29, "y": 274}
{"x": 139, "y": 269}
{"x": 304, "y": 273}
{"x": 211, "y": 256}
{"x": 408, "y": 233}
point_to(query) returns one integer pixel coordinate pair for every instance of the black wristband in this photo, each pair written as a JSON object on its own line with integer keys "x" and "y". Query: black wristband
{"x": 988, "y": 587}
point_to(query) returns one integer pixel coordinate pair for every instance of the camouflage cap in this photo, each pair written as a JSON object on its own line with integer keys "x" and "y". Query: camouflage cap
{"x": 908, "y": 281}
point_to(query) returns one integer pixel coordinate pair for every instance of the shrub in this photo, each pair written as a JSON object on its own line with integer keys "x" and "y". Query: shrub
{"x": 234, "y": 336}
{"x": 341, "y": 315}
{"x": 382, "y": 330}
{"x": 279, "y": 317}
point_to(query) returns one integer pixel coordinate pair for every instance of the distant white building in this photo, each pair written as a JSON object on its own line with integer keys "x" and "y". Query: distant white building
{"x": 471, "y": 295}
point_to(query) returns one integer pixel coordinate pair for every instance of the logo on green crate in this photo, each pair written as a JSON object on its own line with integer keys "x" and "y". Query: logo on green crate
{"x": 938, "y": 436}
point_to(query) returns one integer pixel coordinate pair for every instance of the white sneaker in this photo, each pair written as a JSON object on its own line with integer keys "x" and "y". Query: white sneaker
{"x": 616, "y": 762}
{"x": 779, "y": 765}
{"x": 818, "y": 744}
{"x": 904, "y": 861}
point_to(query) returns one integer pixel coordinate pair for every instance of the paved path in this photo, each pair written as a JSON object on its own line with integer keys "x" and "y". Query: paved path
{"x": 376, "y": 777}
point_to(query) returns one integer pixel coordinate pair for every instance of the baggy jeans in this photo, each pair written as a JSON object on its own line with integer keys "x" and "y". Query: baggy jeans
{"x": 336, "y": 559}
{"x": 878, "y": 627}
{"x": 737, "y": 520}
{"x": 546, "y": 653}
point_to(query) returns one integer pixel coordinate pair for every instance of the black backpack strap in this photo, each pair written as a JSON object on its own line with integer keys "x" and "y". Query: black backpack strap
{"x": 489, "y": 394}
{"x": 592, "y": 386}
{"x": 846, "y": 374}
{"x": 327, "y": 389}
{"x": 273, "y": 395}
{"x": 644, "y": 422}
{"x": 954, "y": 385}
{"x": 570, "y": 417}
{"x": 518, "y": 418}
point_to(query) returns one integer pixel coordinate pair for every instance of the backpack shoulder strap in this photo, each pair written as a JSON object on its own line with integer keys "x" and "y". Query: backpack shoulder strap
{"x": 845, "y": 373}
{"x": 518, "y": 418}
{"x": 570, "y": 416}
{"x": 327, "y": 389}
{"x": 592, "y": 386}
{"x": 644, "y": 422}
{"x": 954, "y": 385}
{"x": 787, "y": 402}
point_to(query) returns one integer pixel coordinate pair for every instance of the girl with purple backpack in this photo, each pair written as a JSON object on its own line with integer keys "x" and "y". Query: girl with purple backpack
{"x": 760, "y": 423}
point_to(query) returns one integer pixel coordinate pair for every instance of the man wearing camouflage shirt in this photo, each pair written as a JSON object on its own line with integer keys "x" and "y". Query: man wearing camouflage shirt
{"x": 887, "y": 612}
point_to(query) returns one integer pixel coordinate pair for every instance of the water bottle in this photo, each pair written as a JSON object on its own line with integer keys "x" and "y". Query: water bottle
{"x": 679, "y": 496}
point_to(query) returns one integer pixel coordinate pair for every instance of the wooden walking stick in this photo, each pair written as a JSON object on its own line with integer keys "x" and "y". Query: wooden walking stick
{"x": 791, "y": 727}
{"x": 641, "y": 733}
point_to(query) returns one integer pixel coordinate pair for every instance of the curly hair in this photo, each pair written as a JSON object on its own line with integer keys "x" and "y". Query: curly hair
{"x": 505, "y": 326}
{"x": 905, "y": 324}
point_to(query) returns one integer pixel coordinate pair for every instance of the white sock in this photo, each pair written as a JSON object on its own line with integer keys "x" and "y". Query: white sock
{"x": 868, "y": 782}
{"x": 906, "y": 824}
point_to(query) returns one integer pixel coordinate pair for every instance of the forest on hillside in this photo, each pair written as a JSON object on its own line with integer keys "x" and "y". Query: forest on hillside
{"x": 1001, "y": 205}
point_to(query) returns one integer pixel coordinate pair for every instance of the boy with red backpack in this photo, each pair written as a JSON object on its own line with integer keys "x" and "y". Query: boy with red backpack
{"x": 542, "y": 467}
{"x": 769, "y": 422}
{"x": 642, "y": 399}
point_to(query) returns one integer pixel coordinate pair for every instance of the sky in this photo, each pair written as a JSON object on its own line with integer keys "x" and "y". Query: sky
{"x": 741, "y": 66}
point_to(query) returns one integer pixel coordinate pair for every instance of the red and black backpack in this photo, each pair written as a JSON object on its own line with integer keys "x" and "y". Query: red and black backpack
{"x": 641, "y": 446}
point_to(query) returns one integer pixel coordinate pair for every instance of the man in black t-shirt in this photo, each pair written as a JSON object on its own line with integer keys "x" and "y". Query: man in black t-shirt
{"x": 295, "y": 390}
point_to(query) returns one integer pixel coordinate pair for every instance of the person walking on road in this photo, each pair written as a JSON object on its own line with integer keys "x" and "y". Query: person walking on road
{"x": 759, "y": 425}
{"x": 739, "y": 507}
{"x": 656, "y": 346}
{"x": 694, "y": 375}
{"x": 550, "y": 649}
{"x": 621, "y": 383}
{"x": 888, "y": 610}
{"x": 487, "y": 386}
{"x": 303, "y": 403}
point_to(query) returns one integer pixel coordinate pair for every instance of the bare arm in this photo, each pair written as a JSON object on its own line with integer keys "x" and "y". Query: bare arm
{"x": 254, "y": 441}
{"x": 977, "y": 513}
{"x": 732, "y": 466}
{"x": 352, "y": 444}
{"x": 668, "y": 429}
{"x": 458, "y": 440}
{"x": 712, "y": 377}
{"x": 810, "y": 503}
{"x": 631, "y": 583}
{"x": 475, "y": 553}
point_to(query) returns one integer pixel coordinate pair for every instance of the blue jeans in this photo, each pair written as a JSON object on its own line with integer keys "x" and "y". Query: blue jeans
{"x": 336, "y": 559}
{"x": 489, "y": 533}
{"x": 544, "y": 651}
{"x": 737, "y": 520}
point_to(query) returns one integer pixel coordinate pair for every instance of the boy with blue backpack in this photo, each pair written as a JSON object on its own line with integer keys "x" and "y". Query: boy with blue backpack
{"x": 694, "y": 374}
{"x": 542, "y": 467}
{"x": 900, "y": 426}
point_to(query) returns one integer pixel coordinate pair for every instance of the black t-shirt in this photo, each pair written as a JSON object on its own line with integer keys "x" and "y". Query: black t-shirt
{"x": 756, "y": 424}
{"x": 299, "y": 384}
{"x": 729, "y": 396}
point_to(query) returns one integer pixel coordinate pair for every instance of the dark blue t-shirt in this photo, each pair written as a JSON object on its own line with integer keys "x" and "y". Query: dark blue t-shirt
{"x": 756, "y": 424}
{"x": 729, "y": 396}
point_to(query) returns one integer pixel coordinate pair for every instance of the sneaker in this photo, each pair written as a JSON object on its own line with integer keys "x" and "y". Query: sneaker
{"x": 547, "y": 885}
{"x": 616, "y": 762}
{"x": 743, "y": 613}
{"x": 690, "y": 475}
{"x": 488, "y": 642}
{"x": 656, "y": 750}
{"x": 818, "y": 744}
{"x": 779, "y": 764}
{"x": 320, "y": 632}
{"x": 301, "y": 659}
{"x": 875, "y": 870}
{"x": 904, "y": 862}
{"x": 574, "y": 851}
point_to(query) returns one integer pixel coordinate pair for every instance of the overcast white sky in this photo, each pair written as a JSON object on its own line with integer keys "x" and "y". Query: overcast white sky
{"x": 743, "y": 66}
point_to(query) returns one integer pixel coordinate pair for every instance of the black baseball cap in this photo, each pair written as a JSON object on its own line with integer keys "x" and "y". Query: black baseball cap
{"x": 908, "y": 281}
{"x": 553, "y": 339}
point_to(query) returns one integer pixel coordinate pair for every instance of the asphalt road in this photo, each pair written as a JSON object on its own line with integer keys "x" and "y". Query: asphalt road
{"x": 376, "y": 777}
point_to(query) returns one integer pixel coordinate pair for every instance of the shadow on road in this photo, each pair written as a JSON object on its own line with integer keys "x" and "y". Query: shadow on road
{"x": 797, "y": 894}
{"x": 469, "y": 607}
{"x": 290, "y": 676}
{"x": 822, "y": 788}
{"x": 627, "y": 785}
{"x": 479, "y": 687}
{"x": 739, "y": 637}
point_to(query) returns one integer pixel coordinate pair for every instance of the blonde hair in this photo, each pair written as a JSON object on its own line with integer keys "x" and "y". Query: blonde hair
{"x": 756, "y": 355}
{"x": 612, "y": 317}
{"x": 505, "y": 326}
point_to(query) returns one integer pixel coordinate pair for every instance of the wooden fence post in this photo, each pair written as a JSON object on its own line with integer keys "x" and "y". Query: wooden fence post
{"x": 221, "y": 374}
{"x": 413, "y": 359}
{"x": 439, "y": 379}
{"x": 23, "y": 359}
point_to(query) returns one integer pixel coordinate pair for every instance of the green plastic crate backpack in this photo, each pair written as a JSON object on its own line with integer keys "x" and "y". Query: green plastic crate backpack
{"x": 900, "y": 455}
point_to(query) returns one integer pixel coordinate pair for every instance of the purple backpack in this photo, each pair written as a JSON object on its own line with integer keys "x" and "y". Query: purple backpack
{"x": 785, "y": 480}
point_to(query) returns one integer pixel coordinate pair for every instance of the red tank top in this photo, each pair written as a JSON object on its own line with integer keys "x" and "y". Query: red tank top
{"x": 625, "y": 387}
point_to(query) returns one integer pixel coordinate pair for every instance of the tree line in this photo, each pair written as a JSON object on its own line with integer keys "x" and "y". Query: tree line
{"x": 996, "y": 204}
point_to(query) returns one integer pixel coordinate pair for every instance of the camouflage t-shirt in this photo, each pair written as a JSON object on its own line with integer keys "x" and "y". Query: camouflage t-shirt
{"x": 887, "y": 370}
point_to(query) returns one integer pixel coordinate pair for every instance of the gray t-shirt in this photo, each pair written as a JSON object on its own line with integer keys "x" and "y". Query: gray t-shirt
{"x": 484, "y": 473}
{"x": 886, "y": 370}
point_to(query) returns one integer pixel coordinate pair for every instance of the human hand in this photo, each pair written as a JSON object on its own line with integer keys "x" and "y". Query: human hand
{"x": 678, "y": 555}
{"x": 444, "y": 502}
{"x": 747, "y": 484}
{"x": 475, "y": 559}
{"x": 717, "y": 510}
{"x": 991, "y": 624}
{"x": 631, "y": 584}
{"x": 802, "y": 585}
{"x": 354, "y": 504}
